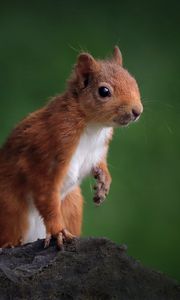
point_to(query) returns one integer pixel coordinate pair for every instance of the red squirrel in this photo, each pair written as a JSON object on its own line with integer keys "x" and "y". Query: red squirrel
{"x": 48, "y": 154}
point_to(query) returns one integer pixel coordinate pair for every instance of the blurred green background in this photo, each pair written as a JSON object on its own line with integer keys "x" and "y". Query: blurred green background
{"x": 39, "y": 42}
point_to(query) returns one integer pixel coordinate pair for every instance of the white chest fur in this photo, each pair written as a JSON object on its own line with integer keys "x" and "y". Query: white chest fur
{"x": 90, "y": 150}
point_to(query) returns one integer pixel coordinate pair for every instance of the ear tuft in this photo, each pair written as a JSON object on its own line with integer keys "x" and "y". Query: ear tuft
{"x": 85, "y": 64}
{"x": 117, "y": 56}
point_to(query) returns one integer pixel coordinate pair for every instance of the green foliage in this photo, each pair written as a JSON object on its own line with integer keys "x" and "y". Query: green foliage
{"x": 39, "y": 42}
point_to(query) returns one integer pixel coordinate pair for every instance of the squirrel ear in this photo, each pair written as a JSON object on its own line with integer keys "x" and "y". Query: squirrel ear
{"x": 85, "y": 64}
{"x": 117, "y": 56}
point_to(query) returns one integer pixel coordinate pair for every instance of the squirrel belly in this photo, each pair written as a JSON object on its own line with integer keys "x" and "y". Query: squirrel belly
{"x": 91, "y": 149}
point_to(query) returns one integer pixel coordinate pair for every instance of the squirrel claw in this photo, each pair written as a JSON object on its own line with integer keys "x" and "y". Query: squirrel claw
{"x": 59, "y": 239}
{"x": 67, "y": 235}
{"x": 98, "y": 200}
{"x": 47, "y": 240}
{"x": 63, "y": 235}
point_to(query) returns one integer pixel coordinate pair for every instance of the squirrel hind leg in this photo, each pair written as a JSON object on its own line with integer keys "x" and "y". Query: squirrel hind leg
{"x": 13, "y": 222}
{"x": 72, "y": 210}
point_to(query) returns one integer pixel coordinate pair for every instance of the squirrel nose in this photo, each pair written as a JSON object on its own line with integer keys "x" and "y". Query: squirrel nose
{"x": 136, "y": 113}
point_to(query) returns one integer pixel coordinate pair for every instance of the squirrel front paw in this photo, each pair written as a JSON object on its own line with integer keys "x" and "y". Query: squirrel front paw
{"x": 63, "y": 235}
{"x": 102, "y": 186}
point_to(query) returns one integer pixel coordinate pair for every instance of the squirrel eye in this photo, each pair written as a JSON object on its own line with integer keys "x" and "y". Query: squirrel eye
{"x": 104, "y": 92}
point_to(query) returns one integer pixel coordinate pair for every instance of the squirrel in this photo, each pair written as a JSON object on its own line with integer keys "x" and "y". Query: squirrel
{"x": 47, "y": 155}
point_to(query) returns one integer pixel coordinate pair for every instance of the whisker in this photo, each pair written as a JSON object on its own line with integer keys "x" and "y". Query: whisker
{"x": 73, "y": 48}
{"x": 156, "y": 101}
{"x": 169, "y": 128}
{"x": 112, "y": 166}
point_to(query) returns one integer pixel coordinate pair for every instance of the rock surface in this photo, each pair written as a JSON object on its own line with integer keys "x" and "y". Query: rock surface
{"x": 90, "y": 268}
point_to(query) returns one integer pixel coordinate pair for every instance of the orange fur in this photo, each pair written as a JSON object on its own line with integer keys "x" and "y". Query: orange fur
{"x": 72, "y": 208}
{"x": 35, "y": 158}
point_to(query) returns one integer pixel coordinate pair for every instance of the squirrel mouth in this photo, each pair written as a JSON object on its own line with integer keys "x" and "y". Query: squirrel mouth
{"x": 123, "y": 120}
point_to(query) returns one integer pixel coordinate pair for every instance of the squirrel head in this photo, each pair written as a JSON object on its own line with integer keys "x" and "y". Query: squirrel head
{"x": 105, "y": 91}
